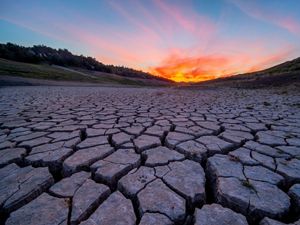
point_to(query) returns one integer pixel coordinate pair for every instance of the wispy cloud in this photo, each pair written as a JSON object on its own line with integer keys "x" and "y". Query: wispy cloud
{"x": 258, "y": 11}
{"x": 132, "y": 19}
{"x": 188, "y": 19}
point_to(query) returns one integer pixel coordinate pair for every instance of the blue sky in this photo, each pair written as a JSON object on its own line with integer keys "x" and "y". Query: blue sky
{"x": 182, "y": 40}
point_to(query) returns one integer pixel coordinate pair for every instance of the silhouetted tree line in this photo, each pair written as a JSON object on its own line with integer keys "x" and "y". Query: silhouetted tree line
{"x": 62, "y": 57}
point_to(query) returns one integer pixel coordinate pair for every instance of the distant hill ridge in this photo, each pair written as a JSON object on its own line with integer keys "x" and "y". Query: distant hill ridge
{"x": 289, "y": 66}
{"x": 281, "y": 74}
{"x": 40, "y": 54}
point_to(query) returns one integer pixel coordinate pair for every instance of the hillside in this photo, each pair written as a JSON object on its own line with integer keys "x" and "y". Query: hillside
{"x": 43, "y": 55}
{"x": 19, "y": 73}
{"x": 282, "y": 74}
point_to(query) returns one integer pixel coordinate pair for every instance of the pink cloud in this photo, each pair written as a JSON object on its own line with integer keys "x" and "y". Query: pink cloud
{"x": 253, "y": 9}
{"x": 133, "y": 20}
{"x": 290, "y": 24}
{"x": 188, "y": 19}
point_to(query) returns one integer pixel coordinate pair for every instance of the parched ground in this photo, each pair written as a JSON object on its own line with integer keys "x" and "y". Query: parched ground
{"x": 149, "y": 156}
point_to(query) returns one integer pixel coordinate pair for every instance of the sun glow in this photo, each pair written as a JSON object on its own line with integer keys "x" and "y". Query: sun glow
{"x": 207, "y": 67}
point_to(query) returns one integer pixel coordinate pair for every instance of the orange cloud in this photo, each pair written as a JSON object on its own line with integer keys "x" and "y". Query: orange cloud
{"x": 206, "y": 67}
{"x": 190, "y": 69}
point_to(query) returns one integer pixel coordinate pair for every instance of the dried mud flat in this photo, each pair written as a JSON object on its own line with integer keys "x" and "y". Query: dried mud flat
{"x": 92, "y": 155}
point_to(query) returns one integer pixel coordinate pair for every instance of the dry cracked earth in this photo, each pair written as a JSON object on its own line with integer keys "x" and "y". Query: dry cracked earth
{"x": 149, "y": 156}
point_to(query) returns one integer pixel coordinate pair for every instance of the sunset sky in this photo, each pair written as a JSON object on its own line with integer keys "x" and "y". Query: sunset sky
{"x": 180, "y": 40}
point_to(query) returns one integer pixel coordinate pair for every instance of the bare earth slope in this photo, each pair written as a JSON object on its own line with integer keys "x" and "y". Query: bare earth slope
{"x": 127, "y": 156}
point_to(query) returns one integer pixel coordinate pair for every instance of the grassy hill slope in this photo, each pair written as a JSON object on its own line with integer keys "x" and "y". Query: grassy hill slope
{"x": 59, "y": 73}
{"x": 282, "y": 74}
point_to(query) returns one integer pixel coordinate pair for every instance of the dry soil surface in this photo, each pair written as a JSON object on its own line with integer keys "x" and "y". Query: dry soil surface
{"x": 149, "y": 156}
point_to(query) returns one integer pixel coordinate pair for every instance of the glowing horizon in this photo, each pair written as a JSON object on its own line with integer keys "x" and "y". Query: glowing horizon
{"x": 182, "y": 41}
